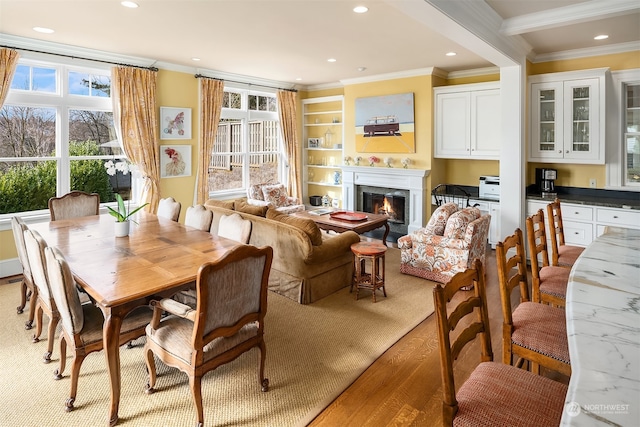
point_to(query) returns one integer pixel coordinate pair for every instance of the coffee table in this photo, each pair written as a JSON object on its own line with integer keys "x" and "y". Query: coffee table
{"x": 372, "y": 221}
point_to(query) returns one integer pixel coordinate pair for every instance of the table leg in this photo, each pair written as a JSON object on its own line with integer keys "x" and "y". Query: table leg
{"x": 111, "y": 338}
{"x": 386, "y": 233}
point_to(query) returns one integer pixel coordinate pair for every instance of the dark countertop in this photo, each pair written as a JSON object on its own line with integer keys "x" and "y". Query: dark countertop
{"x": 579, "y": 196}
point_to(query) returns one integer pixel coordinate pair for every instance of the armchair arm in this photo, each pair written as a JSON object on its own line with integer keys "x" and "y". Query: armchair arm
{"x": 171, "y": 306}
{"x": 405, "y": 242}
{"x": 292, "y": 201}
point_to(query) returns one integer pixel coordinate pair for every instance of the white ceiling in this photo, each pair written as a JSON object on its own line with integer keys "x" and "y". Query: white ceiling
{"x": 283, "y": 40}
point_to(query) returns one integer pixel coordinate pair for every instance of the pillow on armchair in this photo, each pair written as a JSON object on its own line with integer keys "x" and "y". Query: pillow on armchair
{"x": 277, "y": 195}
{"x": 458, "y": 221}
{"x": 438, "y": 221}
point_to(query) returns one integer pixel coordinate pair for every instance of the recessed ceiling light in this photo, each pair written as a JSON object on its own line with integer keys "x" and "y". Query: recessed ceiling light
{"x": 601, "y": 37}
{"x": 451, "y": 54}
{"x": 195, "y": 59}
{"x": 331, "y": 60}
{"x": 298, "y": 78}
{"x": 43, "y": 30}
{"x": 362, "y": 68}
{"x": 360, "y": 9}
{"x": 129, "y": 4}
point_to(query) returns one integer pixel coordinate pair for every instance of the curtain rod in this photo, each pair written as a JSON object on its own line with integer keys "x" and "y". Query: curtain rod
{"x": 200, "y": 76}
{"x": 79, "y": 57}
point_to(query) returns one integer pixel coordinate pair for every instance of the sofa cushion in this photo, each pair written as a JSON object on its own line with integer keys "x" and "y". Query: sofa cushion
{"x": 226, "y": 204}
{"x": 304, "y": 224}
{"x": 234, "y": 227}
{"x": 255, "y": 192}
{"x": 275, "y": 194}
{"x": 458, "y": 222}
{"x": 244, "y": 207}
{"x": 438, "y": 220}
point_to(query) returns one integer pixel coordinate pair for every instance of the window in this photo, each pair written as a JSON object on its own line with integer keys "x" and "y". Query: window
{"x": 247, "y": 149}
{"x": 56, "y": 134}
{"x": 623, "y": 132}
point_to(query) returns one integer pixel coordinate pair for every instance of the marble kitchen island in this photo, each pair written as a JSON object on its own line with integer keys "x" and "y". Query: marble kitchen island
{"x": 603, "y": 326}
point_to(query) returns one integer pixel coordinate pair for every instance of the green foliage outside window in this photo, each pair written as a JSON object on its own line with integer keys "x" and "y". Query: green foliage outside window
{"x": 27, "y": 187}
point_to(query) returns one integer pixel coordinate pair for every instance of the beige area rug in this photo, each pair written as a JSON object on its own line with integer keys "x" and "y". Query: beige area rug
{"x": 314, "y": 352}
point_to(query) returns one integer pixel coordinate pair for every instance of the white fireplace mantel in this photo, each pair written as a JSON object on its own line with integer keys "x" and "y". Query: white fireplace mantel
{"x": 413, "y": 180}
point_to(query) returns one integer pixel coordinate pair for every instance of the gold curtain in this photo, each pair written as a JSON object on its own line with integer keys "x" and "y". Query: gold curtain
{"x": 211, "y": 96}
{"x": 134, "y": 95}
{"x": 288, "y": 124}
{"x": 8, "y": 64}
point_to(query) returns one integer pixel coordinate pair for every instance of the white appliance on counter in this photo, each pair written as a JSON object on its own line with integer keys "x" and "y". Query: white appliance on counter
{"x": 489, "y": 187}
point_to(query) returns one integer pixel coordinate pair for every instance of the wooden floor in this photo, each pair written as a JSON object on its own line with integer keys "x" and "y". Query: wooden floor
{"x": 403, "y": 387}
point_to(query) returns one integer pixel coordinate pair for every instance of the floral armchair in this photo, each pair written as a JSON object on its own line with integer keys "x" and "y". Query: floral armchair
{"x": 274, "y": 195}
{"x": 448, "y": 244}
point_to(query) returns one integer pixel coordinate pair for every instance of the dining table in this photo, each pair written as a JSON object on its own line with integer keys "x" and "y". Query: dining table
{"x": 158, "y": 258}
{"x": 603, "y": 327}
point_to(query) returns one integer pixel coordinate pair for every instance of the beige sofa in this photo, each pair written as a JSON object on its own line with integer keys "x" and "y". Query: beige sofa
{"x": 301, "y": 270}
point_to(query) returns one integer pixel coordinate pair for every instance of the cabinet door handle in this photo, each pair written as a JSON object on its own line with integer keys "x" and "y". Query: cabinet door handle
{"x": 615, "y": 217}
{"x": 576, "y": 213}
{"x": 559, "y": 151}
{"x": 567, "y": 151}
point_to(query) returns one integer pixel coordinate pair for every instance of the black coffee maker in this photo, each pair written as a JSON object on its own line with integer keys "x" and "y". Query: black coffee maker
{"x": 545, "y": 181}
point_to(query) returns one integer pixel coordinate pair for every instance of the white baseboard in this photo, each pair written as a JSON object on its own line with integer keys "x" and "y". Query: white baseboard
{"x": 10, "y": 267}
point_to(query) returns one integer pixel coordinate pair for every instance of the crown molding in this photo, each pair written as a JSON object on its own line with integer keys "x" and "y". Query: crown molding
{"x": 473, "y": 73}
{"x": 587, "y": 52}
{"x": 567, "y": 15}
{"x": 390, "y": 76}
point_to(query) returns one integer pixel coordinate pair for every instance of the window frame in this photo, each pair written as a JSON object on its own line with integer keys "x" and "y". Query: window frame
{"x": 63, "y": 103}
{"x": 245, "y": 116}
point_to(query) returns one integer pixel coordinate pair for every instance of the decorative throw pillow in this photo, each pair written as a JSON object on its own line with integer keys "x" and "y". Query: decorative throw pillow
{"x": 458, "y": 222}
{"x": 275, "y": 194}
{"x": 304, "y": 224}
{"x": 235, "y": 227}
{"x": 226, "y": 204}
{"x": 255, "y": 192}
{"x": 242, "y": 206}
{"x": 438, "y": 220}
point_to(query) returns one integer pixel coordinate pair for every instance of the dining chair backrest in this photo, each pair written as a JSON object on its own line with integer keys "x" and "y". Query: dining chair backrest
{"x": 198, "y": 217}
{"x": 74, "y": 205}
{"x": 512, "y": 272}
{"x": 169, "y": 208}
{"x": 63, "y": 289}
{"x": 19, "y": 227}
{"x": 35, "y": 245}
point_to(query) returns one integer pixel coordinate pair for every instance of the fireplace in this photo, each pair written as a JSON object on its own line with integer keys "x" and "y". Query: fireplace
{"x": 408, "y": 185}
{"x": 387, "y": 201}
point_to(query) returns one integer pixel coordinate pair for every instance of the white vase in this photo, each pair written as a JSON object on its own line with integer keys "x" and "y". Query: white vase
{"x": 121, "y": 229}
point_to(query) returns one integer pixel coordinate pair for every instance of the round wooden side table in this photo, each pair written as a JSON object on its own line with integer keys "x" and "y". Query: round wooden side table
{"x": 374, "y": 252}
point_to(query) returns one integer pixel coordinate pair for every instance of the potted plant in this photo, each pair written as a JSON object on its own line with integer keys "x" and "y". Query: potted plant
{"x": 122, "y": 216}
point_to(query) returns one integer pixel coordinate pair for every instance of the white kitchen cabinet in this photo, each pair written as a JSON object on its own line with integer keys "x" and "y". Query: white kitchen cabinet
{"x": 568, "y": 117}
{"x": 468, "y": 121}
{"x": 323, "y": 136}
{"x": 493, "y": 209}
{"x": 626, "y": 218}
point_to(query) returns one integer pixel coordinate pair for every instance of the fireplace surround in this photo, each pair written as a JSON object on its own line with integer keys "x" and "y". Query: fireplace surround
{"x": 413, "y": 181}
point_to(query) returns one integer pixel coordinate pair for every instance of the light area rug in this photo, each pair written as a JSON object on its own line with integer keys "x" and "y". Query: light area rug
{"x": 314, "y": 352}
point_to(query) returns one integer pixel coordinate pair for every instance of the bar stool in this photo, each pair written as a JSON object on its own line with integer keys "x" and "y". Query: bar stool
{"x": 375, "y": 252}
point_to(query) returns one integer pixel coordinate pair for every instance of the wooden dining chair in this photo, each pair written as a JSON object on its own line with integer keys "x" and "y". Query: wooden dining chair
{"x": 198, "y": 217}
{"x": 549, "y": 283}
{"x": 28, "y": 290}
{"x": 495, "y": 394}
{"x": 82, "y": 324}
{"x": 531, "y": 331}
{"x": 74, "y": 205}
{"x": 169, "y": 208}
{"x": 228, "y": 320}
{"x": 36, "y": 245}
{"x": 562, "y": 255}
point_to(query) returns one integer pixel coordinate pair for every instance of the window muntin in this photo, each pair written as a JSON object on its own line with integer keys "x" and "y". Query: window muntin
{"x": 247, "y": 149}
{"x": 54, "y": 141}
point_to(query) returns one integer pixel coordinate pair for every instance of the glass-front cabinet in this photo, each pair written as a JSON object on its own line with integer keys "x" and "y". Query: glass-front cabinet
{"x": 632, "y": 134}
{"x": 567, "y": 117}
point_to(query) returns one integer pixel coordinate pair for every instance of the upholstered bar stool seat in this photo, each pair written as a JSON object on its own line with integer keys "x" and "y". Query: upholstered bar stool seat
{"x": 374, "y": 280}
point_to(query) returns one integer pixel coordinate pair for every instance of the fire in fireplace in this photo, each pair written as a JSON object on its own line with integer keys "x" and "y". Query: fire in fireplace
{"x": 390, "y": 204}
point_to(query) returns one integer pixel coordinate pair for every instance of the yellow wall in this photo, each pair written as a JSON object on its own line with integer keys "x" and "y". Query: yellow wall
{"x": 180, "y": 90}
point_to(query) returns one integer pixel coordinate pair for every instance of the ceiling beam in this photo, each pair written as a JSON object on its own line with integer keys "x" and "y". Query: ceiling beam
{"x": 568, "y": 15}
